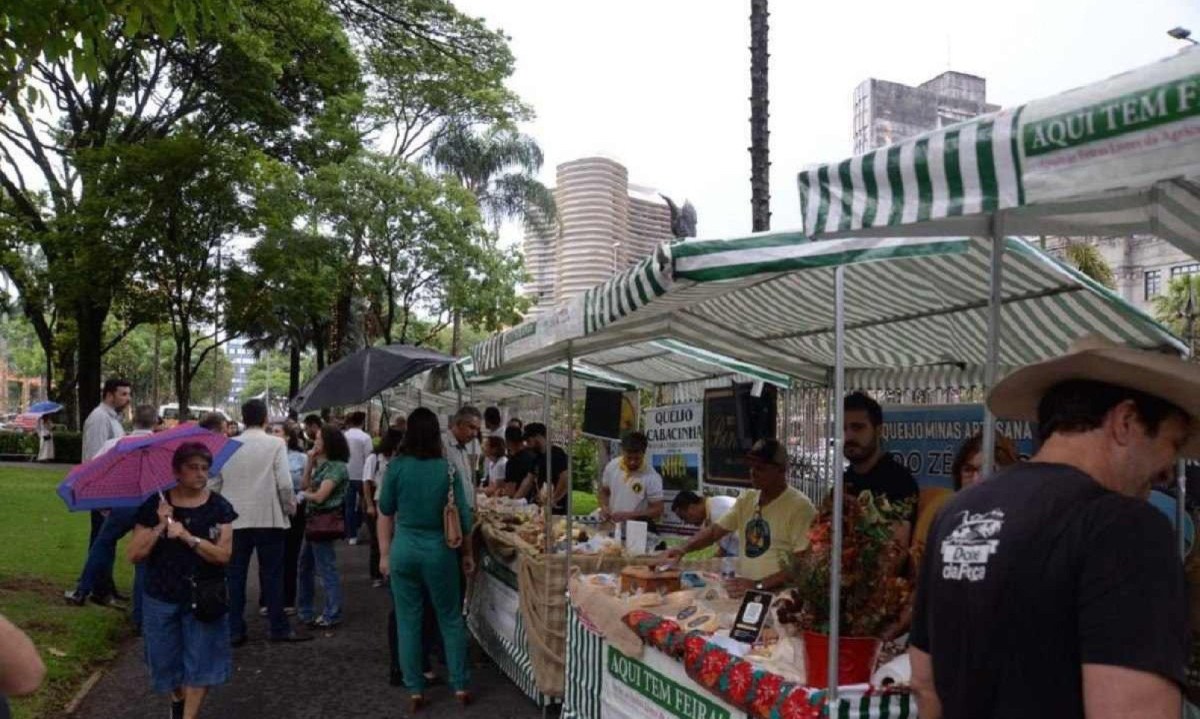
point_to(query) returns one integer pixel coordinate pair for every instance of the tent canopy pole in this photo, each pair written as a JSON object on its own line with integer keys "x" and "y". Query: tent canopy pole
{"x": 995, "y": 297}
{"x": 570, "y": 459}
{"x": 839, "y": 391}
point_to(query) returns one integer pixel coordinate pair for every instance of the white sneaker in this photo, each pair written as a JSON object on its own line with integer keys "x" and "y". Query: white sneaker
{"x": 353, "y": 541}
{"x": 262, "y": 611}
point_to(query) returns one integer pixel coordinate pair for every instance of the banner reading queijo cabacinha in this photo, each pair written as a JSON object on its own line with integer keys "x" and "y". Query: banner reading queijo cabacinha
{"x": 676, "y": 434}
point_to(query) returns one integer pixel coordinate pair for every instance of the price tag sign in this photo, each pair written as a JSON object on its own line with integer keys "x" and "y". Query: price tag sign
{"x": 751, "y": 616}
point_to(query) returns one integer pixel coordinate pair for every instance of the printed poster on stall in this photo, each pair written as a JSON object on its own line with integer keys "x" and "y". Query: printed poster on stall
{"x": 676, "y": 434}
{"x": 926, "y": 438}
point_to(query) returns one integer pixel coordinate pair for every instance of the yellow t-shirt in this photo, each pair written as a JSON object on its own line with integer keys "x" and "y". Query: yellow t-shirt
{"x": 767, "y": 540}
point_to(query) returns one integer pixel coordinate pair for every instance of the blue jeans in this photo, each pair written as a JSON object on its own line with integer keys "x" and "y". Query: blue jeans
{"x": 182, "y": 651}
{"x": 97, "y": 570}
{"x": 353, "y": 514}
{"x": 321, "y": 557}
{"x": 269, "y": 543}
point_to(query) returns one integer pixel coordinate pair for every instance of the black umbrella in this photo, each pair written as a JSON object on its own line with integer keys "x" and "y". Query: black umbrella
{"x": 364, "y": 374}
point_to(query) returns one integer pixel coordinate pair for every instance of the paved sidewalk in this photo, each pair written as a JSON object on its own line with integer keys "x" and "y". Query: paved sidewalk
{"x": 342, "y": 673}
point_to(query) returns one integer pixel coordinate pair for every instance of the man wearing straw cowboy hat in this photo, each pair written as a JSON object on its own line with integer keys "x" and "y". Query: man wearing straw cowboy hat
{"x": 1054, "y": 589}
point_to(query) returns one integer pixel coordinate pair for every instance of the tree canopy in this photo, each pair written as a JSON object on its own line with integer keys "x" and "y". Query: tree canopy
{"x": 143, "y": 139}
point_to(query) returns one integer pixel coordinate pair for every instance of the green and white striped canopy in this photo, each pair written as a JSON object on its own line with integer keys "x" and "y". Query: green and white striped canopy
{"x": 1119, "y": 157}
{"x": 499, "y": 388}
{"x": 916, "y": 311}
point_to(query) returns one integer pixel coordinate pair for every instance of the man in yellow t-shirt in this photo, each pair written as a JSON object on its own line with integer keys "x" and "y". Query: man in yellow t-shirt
{"x": 771, "y": 522}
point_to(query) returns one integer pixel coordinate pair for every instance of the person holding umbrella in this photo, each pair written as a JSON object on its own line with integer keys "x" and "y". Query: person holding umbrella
{"x": 185, "y": 539}
{"x": 118, "y": 522}
{"x": 45, "y": 439}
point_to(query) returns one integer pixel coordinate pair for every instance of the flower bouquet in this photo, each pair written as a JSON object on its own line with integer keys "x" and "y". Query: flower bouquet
{"x": 873, "y": 592}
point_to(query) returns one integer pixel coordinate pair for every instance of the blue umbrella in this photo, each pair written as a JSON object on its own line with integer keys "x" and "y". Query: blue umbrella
{"x": 45, "y": 408}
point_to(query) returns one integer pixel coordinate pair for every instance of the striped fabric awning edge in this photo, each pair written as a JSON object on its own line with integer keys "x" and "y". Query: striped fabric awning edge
{"x": 628, "y": 291}
{"x": 963, "y": 169}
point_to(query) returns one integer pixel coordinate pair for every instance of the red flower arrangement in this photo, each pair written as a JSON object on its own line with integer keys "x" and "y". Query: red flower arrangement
{"x": 873, "y": 592}
{"x": 766, "y": 695}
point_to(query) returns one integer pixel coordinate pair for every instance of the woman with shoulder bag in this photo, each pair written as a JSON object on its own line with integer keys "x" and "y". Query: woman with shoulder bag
{"x": 423, "y": 498}
{"x": 325, "y": 481}
{"x": 185, "y": 539}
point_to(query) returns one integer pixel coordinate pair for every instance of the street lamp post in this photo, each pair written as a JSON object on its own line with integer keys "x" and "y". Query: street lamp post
{"x": 1182, "y": 33}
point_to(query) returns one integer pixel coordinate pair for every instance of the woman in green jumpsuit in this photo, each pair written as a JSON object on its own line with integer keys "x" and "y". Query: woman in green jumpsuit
{"x": 412, "y": 498}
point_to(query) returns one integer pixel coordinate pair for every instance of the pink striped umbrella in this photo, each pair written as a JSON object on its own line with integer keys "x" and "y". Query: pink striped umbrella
{"x": 138, "y": 467}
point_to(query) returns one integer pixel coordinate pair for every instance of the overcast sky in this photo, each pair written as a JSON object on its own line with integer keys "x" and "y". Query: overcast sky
{"x": 663, "y": 85}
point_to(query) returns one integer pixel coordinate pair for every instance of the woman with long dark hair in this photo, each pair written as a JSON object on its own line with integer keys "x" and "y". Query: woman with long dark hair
{"x": 325, "y": 481}
{"x": 413, "y": 499}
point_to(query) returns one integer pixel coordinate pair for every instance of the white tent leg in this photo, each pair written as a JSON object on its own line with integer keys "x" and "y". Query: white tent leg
{"x": 839, "y": 391}
{"x": 570, "y": 459}
{"x": 993, "y": 344}
{"x": 548, "y": 510}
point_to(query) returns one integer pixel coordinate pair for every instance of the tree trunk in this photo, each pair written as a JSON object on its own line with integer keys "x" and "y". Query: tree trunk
{"x": 89, "y": 321}
{"x": 65, "y": 368}
{"x": 293, "y": 371}
{"x": 456, "y": 333}
{"x": 183, "y": 370}
{"x": 157, "y": 361}
{"x": 760, "y": 161}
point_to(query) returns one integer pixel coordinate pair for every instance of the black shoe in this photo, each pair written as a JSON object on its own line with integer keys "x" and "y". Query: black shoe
{"x": 119, "y": 597}
{"x": 176, "y": 709}
{"x": 109, "y": 601}
{"x": 294, "y": 637}
{"x": 238, "y": 641}
{"x": 74, "y": 598}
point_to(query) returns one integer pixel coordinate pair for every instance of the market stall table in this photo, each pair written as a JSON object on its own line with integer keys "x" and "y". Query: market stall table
{"x": 671, "y": 671}
{"x": 517, "y": 603}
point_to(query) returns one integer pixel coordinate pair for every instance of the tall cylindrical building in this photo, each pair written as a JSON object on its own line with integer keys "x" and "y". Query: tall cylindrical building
{"x": 593, "y": 208}
{"x": 604, "y": 225}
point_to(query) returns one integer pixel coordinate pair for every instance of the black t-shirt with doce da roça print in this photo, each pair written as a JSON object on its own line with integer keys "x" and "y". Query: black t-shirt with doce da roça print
{"x": 172, "y": 563}
{"x": 1036, "y": 572}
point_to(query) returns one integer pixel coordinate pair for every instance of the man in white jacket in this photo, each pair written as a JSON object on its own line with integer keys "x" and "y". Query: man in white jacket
{"x": 258, "y": 483}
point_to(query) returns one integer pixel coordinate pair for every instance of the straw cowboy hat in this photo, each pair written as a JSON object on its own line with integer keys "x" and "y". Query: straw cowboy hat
{"x": 1098, "y": 359}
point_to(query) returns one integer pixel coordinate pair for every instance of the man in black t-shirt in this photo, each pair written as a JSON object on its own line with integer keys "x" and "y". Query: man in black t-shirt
{"x": 870, "y": 467}
{"x": 520, "y": 462}
{"x": 1054, "y": 589}
{"x": 535, "y": 480}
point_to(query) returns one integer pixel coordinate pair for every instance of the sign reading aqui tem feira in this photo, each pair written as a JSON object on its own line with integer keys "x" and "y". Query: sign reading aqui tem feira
{"x": 641, "y": 691}
{"x": 1131, "y": 126}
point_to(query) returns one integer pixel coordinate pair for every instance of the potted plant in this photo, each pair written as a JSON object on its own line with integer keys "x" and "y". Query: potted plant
{"x": 873, "y": 592}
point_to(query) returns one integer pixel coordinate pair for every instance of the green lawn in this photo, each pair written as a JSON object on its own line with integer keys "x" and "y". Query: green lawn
{"x": 583, "y": 502}
{"x": 40, "y": 556}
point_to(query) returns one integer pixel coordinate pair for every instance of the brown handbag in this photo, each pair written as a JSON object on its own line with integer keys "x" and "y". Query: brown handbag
{"x": 451, "y": 524}
{"x": 325, "y": 526}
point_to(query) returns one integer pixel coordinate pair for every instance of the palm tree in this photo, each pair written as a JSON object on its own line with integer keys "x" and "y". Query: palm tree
{"x": 760, "y": 153}
{"x": 1177, "y": 307}
{"x": 499, "y": 166}
{"x": 1088, "y": 260}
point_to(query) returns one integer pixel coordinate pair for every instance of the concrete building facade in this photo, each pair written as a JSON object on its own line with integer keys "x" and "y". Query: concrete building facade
{"x": 887, "y": 112}
{"x": 604, "y": 225}
{"x": 242, "y": 359}
{"x": 1143, "y": 267}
